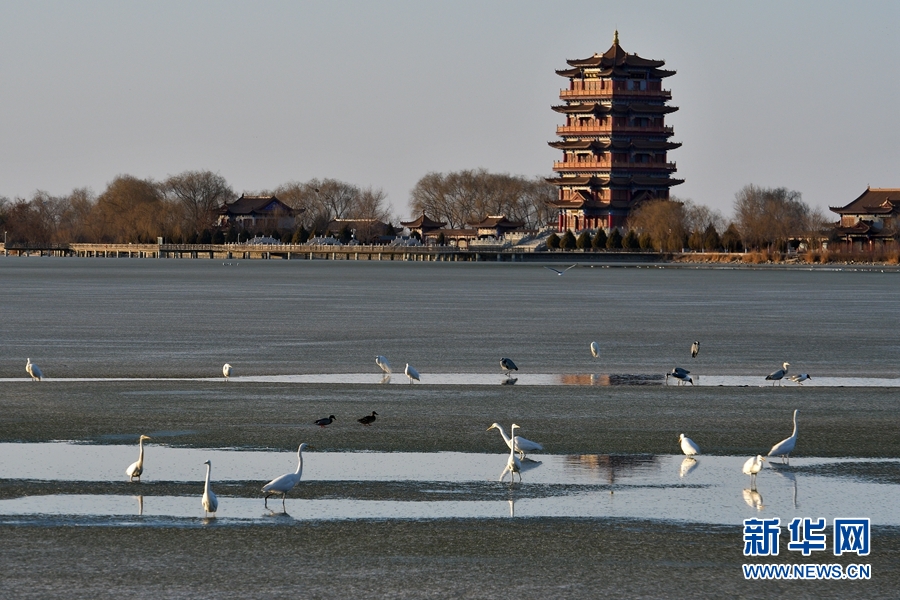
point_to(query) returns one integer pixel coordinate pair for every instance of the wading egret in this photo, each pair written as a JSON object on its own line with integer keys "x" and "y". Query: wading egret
{"x": 33, "y": 370}
{"x": 695, "y": 349}
{"x": 368, "y": 419}
{"x": 557, "y": 271}
{"x": 688, "y": 446}
{"x": 286, "y": 482}
{"x": 508, "y": 365}
{"x": 325, "y": 421}
{"x": 521, "y": 444}
{"x": 595, "y": 349}
{"x": 136, "y": 468}
{"x": 752, "y": 467}
{"x": 779, "y": 374}
{"x": 513, "y": 465}
{"x": 786, "y": 446}
{"x": 383, "y": 363}
{"x": 209, "y": 501}
{"x": 800, "y": 378}
{"x": 411, "y": 373}
{"x": 226, "y": 371}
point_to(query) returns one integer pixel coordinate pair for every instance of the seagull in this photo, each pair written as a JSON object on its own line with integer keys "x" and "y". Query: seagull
{"x": 383, "y": 363}
{"x": 681, "y": 375}
{"x": 368, "y": 419}
{"x": 752, "y": 467}
{"x": 779, "y": 374}
{"x": 411, "y": 372}
{"x": 695, "y": 349}
{"x": 325, "y": 421}
{"x": 557, "y": 271}
{"x": 688, "y": 446}
{"x": 786, "y": 446}
{"x": 508, "y": 365}
{"x": 33, "y": 370}
{"x": 226, "y": 372}
{"x": 595, "y": 349}
{"x": 799, "y": 379}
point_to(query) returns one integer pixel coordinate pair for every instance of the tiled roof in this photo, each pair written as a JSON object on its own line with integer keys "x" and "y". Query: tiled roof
{"x": 873, "y": 201}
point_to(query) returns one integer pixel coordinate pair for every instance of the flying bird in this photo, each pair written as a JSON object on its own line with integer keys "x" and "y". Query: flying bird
{"x": 779, "y": 374}
{"x": 508, "y": 365}
{"x": 226, "y": 371}
{"x": 513, "y": 465}
{"x": 325, "y": 421}
{"x": 286, "y": 482}
{"x": 136, "y": 468}
{"x": 799, "y": 379}
{"x": 33, "y": 370}
{"x": 521, "y": 444}
{"x": 786, "y": 446}
{"x": 688, "y": 446}
{"x": 595, "y": 349}
{"x": 209, "y": 501}
{"x": 411, "y": 373}
{"x": 382, "y": 362}
{"x": 557, "y": 271}
{"x": 368, "y": 419}
{"x": 752, "y": 467}
{"x": 695, "y": 349}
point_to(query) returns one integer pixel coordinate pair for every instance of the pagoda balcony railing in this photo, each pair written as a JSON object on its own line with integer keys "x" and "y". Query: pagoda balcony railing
{"x": 609, "y": 128}
{"x": 606, "y": 164}
{"x": 608, "y": 93}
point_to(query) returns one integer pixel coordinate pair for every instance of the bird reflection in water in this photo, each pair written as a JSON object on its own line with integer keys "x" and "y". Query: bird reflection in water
{"x": 687, "y": 465}
{"x": 512, "y": 507}
{"x": 140, "y": 500}
{"x": 753, "y": 499}
{"x": 786, "y": 472}
{"x": 386, "y": 378}
{"x": 509, "y": 381}
{"x": 610, "y": 466}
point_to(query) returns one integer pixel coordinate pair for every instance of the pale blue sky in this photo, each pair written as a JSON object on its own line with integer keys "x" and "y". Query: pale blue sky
{"x": 796, "y": 94}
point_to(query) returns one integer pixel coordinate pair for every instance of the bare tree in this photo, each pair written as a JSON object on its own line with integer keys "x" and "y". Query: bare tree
{"x": 664, "y": 221}
{"x": 200, "y": 194}
{"x": 766, "y": 216}
{"x": 130, "y": 210}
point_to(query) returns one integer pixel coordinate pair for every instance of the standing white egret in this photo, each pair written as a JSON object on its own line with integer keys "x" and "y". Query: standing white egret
{"x": 695, "y": 349}
{"x": 33, "y": 370}
{"x": 595, "y": 349}
{"x": 508, "y": 365}
{"x": 411, "y": 373}
{"x": 786, "y": 446}
{"x": 521, "y": 444}
{"x": 752, "y": 467}
{"x": 286, "y": 482}
{"x": 136, "y": 468}
{"x": 209, "y": 501}
{"x": 383, "y": 363}
{"x": 688, "y": 446}
{"x": 226, "y": 371}
{"x": 779, "y": 374}
{"x": 799, "y": 379}
{"x": 513, "y": 465}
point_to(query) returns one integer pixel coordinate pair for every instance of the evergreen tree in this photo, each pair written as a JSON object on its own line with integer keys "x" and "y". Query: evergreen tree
{"x": 614, "y": 241}
{"x": 568, "y": 240}
{"x": 552, "y": 242}
{"x": 630, "y": 241}
{"x": 646, "y": 241}
{"x": 599, "y": 240}
{"x": 583, "y": 241}
{"x": 731, "y": 239}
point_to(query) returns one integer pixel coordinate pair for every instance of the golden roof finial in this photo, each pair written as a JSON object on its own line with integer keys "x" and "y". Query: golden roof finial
{"x": 616, "y": 38}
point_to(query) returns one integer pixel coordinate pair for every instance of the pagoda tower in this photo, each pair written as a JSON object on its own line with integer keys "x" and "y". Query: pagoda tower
{"x": 614, "y": 140}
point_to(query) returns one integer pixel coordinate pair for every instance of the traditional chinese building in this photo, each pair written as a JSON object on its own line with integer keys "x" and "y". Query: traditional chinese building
{"x": 614, "y": 140}
{"x": 873, "y": 216}
{"x": 257, "y": 212}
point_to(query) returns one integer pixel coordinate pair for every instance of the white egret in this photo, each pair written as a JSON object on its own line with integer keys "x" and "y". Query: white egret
{"x": 521, "y": 444}
{"x": 786, "y": 446}
{"x": 595, "y": 349}
{"x": 799, "y": 379}
{"x": 286, "y": 482}
{"x": 136, "y": 468}
{"x": 779, "y": 374}
{"x": 209, "y": 501}
{"x": 508, "y": 365}
{"x": 382, "y": 362}
{"x": 688, "y": 446}
{"x": 695, "y": 349}
{"x": 752, "y": 467}
{"x": 411, "y": 373}
{"x": 368, "y": 419}
{"x": 513, "y": 465}
{"x": 33, "y": 370}
{"x": 325, "y": 421}
{"x": 226, "y": 371}
{"x": 557, "y": 271}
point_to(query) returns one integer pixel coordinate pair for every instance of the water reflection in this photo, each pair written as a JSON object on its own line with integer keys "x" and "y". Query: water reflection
{"x": 753, "y": 499}
{"x": 611, "y": 466}
{"x": 140, "y": 500}
{"x": 687, "y": 465}
{"x": 786, "y": 472}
